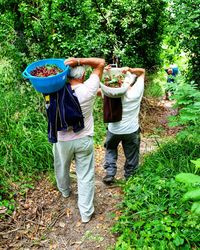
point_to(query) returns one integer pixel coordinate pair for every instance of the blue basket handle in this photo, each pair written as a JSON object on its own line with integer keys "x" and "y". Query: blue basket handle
{"x": 25, "y": 74}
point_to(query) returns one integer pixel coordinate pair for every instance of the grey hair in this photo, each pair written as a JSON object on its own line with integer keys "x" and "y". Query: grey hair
{"x": 77, "y": 72}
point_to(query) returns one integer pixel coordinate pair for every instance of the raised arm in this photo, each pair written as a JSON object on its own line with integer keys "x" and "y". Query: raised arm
{"x": 96, "y": 63}
{"x": 140, "y": 72}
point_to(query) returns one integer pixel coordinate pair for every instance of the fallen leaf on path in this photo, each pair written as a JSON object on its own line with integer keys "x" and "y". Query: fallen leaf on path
{"x": 54, "y": 246}
{"x": 102, "y": 217}
{"x": 61, "y": 224}
{"x": 27, "y": 205}
{"x": 78, "y": 224}
{"x": 68, "y": 212}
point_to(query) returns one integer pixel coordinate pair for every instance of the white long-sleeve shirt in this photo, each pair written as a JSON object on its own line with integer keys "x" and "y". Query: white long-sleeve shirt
{"x": 130, "y": 110}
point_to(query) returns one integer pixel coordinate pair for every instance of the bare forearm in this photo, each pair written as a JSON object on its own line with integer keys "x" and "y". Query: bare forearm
{"x": 137, "y": 71}
{"x": 93, "y": 62}
{"x": 96, "y": 63}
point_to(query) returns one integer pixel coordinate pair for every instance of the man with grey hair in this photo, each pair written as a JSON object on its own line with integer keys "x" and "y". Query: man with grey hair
{"x": 79, "y": 145}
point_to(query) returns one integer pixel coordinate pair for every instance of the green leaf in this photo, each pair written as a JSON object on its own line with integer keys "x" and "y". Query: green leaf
{"x": 196, "y": 208}
{"x": 188, "y": 178}
{"x": 196, "y": 163}
{"x": 178, "y": 241}
{"x": 192, "y": 195}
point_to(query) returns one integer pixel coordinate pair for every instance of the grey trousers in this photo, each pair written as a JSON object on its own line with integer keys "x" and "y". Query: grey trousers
{"x": 82, "y": 151}
{"x": 131, "y": 147}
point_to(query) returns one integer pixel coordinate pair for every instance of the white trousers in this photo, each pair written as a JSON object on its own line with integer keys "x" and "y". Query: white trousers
{"x": 82, "y": 151}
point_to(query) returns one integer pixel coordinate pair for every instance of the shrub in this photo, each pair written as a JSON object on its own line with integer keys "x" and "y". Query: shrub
{"x": 88, "y": 28}
{"x": 185, "y": 32}
{"x": 24, "y": 149}
{"x": 153, "y": 215}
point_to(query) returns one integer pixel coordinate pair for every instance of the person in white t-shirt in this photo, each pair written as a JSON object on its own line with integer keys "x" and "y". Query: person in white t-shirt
{"x": 126, "y": 131}
{"x": 79, "y": 146}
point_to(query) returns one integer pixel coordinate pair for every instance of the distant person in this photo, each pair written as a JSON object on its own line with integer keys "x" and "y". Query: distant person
{"x": 172, "y": 71}
{"x": 115, "y": 62}
{"x": 126, "y": 131}
{"x": 76, "y": 142}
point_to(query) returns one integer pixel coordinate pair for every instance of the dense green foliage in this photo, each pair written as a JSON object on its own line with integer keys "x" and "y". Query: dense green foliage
{"x": 187, "y": 103}
{"x": 192, "y": 182}
{"x": 99, "y": 125}
{"x": 24, "y": 149}
{"x": 127, "y": 23}
{"x": 183, "y": 30}
{"x": 155, "y": 84}
{"x": 86, "y": 28}
{"x": 154, "y": 215}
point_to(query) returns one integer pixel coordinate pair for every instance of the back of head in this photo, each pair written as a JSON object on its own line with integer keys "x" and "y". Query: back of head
{"x": 170, "y": 71}
{"x": 77, "y": 72}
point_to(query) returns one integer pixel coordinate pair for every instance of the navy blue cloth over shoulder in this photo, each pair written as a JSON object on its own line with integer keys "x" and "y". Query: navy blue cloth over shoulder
{"x": 63, "y": 111}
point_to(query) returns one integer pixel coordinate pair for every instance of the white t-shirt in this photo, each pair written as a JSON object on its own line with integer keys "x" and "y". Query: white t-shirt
{"x": 130, "y": 110}
{"x": 86, "y": 94}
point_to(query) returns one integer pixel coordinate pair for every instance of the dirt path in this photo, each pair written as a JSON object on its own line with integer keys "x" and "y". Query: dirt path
{"x": 46, "y": 220}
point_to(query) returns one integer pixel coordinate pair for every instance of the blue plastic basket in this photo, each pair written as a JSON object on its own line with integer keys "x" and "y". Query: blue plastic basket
{"x": 50, "y": 84}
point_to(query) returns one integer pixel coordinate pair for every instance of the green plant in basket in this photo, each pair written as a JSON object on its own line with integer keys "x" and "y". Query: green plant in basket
{"x": 114, "y": 81}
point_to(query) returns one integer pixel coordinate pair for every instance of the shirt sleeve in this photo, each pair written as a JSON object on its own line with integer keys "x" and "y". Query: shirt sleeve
{"x": 92, "y": 84}
{"x": 137, "y": 89}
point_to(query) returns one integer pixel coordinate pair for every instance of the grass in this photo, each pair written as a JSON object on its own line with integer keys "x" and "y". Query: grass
{"x": 99, "y": 125}
{"x": 155, "y": 83}
{"x": 154, "y": 215}
{"x": 24, "y": 150}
